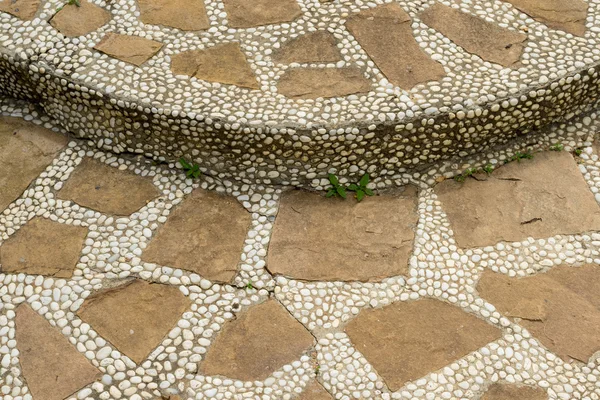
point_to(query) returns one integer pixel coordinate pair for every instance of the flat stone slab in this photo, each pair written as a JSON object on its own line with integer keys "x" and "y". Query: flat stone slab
{"x": 318, "y": 238}
{"x": 52, "y": 367}
{"x": 556, "y": 307}
{"x": 538, "y": 198}
{"x": 73, "y": 20}
{"x": 22, "y": 9}
{"x": 314, "y": 391}
{"x": 103, "y": 188}
{"x": 25, "y": 151}
{"x": 205, "y": 234}
{"x": 405, "y": 341}
{"x": 319, "y": 46}
{"x": 132, "y": 49}
{"x": 136, "y": 316}
{"x": 567, "y": 15}
{"x": 247, "y": 14}
{"x": 187, "y": 15}
{"x": 500, "y": 391}
{"x": 258, "y": 342}
{"x": 43, "y": 247}
{"x": 312, "y": 83}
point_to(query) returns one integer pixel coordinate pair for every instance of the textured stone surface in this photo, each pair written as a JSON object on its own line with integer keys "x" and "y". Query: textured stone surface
{"x": 314, "y": 391}
{"x": 43, "y": 247}
{"x": 317, "y": 238}
{"x": 22, "y": 9}
{"x": 135, "y": 316}
{"x": 74, "y": 20}
{"x": 187, "y": 15}
{"x": 103, "y": 188}
{"x": 500, "y": 391}
{"x": 485, "y": 39}
{"x": 52, "y": 367}
{"x": 224, "y": 63}
{"x": 385, "y": 34}
{"x": 25, "y": 150}
{"x": 555, "y": 307}
{"x": 405, "y": 341}
{"x": 260, "y": 341}
{"x": 249, "y": 13}
{"x": 311, "y": 83}
{"x": 566, "y": 15}
{"x": 132, "y": 49}
{"x": 205, "y": 234}
{"x": 536, "y": 198}
{"x": 319, "y": 46}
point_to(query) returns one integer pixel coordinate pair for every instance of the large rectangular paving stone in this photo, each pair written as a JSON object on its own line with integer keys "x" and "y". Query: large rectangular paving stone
{"x": 539, "y": 198}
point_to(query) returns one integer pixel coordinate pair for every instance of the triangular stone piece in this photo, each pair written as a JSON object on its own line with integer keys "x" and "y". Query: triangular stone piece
{"x": 73, "y": 20}
{"x": 22, "y": 9}
{"x": 315, "y": 47}
{"x": 132, "y": 49}
{"x": 565, "y": 15}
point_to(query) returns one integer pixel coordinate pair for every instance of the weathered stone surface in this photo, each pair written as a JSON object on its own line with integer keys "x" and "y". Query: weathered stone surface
{"x": 52, "y": 367}
{"x": 246, "y": 14}
{"x": 43, "y": 247}
{"x": 214, "y": 228}
{"x": 25, "y": 150}
{"x": 314, "y": 391}
{"x": 103, "y": 188}
{"x": 223, "y": 63}
{"x": 405, "y": 341}
{"x": 485, "y": 39}
{"x": 136, "y": 316}
{"x": 317, "y": 238}
{"x": 319, "y": 46}
{"x": 260, "y": 341}
{"x": 536, "y": 198}
{"x": 384, "y": 32}
{"x": 500, "y": 391}
{"x": 132, "y": 49}
{"x": 311, "y": 83}
{"x": 22, "y": 9}
{"x": 187, "y": 15}
{"x": 73, "y": 20}
{"x": 561, "y": 308}
{"x": 566, "y": 15}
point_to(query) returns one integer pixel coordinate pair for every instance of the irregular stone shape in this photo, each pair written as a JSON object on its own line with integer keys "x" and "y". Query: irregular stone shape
{"x": 319, "y": 46}
{"x": 385, "y": 33}
{"x": 565, "y": 15}
{"x": 187, "y": 15}
{"x": 561, "y": 308}
{"x": 500, "y": 391}
{"x": 52, "y": 367}
{"x": 223, "y": 63}
{"x": 43, "y": 247}
{"x": 136, "y": 316}
{"x": 22, "y": 9}
{"x": 314, "y": 391}
{"x": 75, "y": 21}
{"x": 405, "y": 341}
{"x": 25, "y": 151}
{"x": 103, "y": 188}
{"x": 205, "y": 234}
{"x": 316, "y": 238}
{"x": 312, "y": 83}
{"x": 249, "y": 13}
{"x": 258, "y": 342}
{"x": 485, "y": 39}
{"x": 536, "y": 198}
{"x": 132, "y": 49}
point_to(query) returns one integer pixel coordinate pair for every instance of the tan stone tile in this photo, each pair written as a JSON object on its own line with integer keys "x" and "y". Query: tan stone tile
{"x": 500, "y": 391}
{"x": 385, "y": 33}
{"x": 536, "y": 198}
{"x": 25, "y": 151}
{"x": 187, "y": 15}
{"x": 405, "y": 341}
{"x": 319, "y": 46}
{"x": 314, "y": 391}
{"x": 43, "y": 247}
{"x": 260, "y": 341}
{"x": 567, "y": 15}
{"x": 311, "y": 83}
{"x": 73, "y": 20}
{"x": 476, "y": 35}
{"x": 249, "y": 13}
{"x": 205, "y": 234}
{"x": 135, "y": 316}
{"x": 52, "y": 367}
{"x": 103, "y": 188}
{"x": 561, "y": 308}
{"x": 132, "y": 49}
{"x": 22, "y": 9}
{"x": 317, "y": 238}
{"x": 224, "y": 63}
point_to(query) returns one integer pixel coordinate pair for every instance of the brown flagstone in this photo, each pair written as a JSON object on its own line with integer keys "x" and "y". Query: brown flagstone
{"x": 132, "y": 49}
{"x": 187, "y": 15}
{"x": 250, "y": 13}
{"x": 73, "y": 20}
{"x": 319, "y": 46}
{"x": 22, "y": 9}
{"x": 502, "y": 391}
{"x": 566, "y": 15}
{"x": 312, "y": 83}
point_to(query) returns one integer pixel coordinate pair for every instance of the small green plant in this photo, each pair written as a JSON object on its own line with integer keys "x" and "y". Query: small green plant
{"x": 361, "y": 188}
{"x": 70, "y": 3}
{"x": 192, "y": 170}
{"x": 249, "y": 286}
{"x": 317, "y": 369}
{"x": 463, "y": 177}
{"x": 578, "y": 152}
{"x": 488, "y": 169}
{"x": 557, "y": 147}
{"x": 336, "y": 189}
{"x": 520, "y": 156}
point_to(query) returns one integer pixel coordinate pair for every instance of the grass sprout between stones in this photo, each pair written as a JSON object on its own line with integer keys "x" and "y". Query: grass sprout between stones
{"x": 360, "y": 189}
{"x": 192, "y": 170}
{"x": 557, "y": 147}
{"x": 488, "y": 169}
{"x": 336, "y": 189}
{"x": 520, "y": 156}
